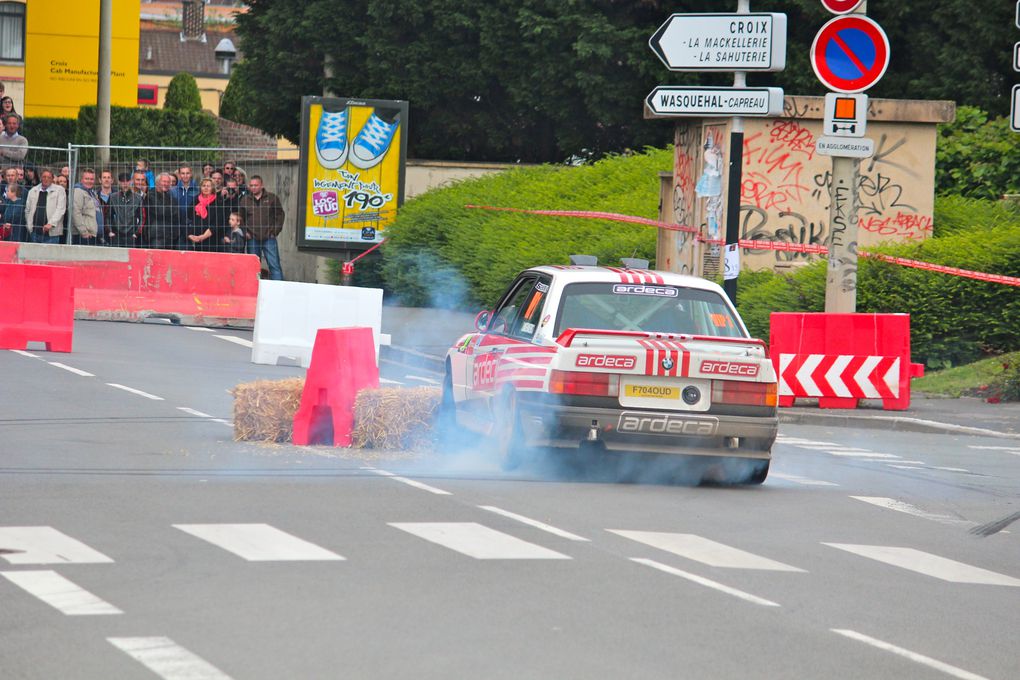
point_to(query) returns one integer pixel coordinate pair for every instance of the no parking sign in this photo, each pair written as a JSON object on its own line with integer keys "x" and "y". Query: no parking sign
{"x": 850, "y": 53}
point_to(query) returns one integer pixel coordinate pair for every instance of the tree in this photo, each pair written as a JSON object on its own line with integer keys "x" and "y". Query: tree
{"x": 182, "y": 94}
{"x": 542, "y": 80}
{"x": 236, "y": 102}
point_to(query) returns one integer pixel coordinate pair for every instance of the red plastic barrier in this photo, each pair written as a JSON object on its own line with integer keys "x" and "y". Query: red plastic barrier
{"x": 841, "y": 358}
{"x": 123, "y": 284}
{"x": 343, "y": 363}
{"x": 36, "y": 305}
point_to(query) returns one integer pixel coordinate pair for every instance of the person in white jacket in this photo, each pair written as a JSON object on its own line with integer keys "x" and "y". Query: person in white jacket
{"x": 44, "y": 210}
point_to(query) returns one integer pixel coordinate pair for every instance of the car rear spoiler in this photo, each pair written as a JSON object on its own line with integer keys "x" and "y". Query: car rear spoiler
{"x": 566, "y": 338}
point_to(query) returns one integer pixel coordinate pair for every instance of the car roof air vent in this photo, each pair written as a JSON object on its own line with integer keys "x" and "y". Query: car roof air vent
{"x": 634, "y": 263}
{"x": 584, "y": 260}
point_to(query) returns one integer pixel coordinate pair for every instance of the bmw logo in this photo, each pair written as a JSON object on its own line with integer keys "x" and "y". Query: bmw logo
{"x": 667, "y": 363}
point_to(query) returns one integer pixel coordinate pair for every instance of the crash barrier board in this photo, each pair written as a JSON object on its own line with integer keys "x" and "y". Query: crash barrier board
{"x": 842, "y": 358}
{"x": 288, "y": 315}
{"x": 342, "y": 365}
{"x": 134, "y": 284}
{"x": 36, "y": 305}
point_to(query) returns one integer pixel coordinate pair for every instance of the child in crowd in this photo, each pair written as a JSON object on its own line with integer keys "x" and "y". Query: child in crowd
{"x": 236, "y": 240}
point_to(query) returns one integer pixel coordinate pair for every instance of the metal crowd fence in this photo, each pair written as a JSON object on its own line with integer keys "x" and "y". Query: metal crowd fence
{"x": 202, "y": 162}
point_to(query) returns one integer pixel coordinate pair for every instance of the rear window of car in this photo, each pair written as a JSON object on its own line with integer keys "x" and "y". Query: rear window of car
{"x": 649, "y": 308}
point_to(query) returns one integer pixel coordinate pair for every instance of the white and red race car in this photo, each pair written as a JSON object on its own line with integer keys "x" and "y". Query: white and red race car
{"x": 619, "y": 360}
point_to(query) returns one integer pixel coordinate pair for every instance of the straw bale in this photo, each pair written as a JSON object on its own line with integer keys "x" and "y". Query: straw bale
{"x": 396, "y": 418}
{"x": 264, "y": 409}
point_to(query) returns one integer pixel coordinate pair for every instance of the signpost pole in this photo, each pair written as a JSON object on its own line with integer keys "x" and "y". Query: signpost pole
{"x": 844, "y": 203}
{"x": 735, "y": 177}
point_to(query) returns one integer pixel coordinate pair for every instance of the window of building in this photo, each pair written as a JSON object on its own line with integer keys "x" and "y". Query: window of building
{"x": 12, "y": 31}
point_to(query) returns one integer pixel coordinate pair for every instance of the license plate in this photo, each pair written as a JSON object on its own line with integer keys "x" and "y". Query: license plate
{"x": 652, "y": 391}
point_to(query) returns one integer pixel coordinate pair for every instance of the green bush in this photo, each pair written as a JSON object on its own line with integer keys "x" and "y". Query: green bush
{"x": 953, "y": 319}
{"x": 182, "y": 94}
{"x": 150, "y": 127}
{"x": 976, "y": 157}
{"x": 52, "y": 132}
{"x": 442, "y": 254}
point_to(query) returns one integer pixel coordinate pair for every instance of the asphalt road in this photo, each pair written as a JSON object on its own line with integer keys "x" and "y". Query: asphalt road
{"x": 137, "y": 540}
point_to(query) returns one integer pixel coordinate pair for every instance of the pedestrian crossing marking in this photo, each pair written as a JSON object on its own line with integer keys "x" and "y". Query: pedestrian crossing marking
{"x": 60, "y": 593}
{"x": 167, "y": 659}
{"x": 478, "y": 541}
{"x": 930, "y": 565}
{"x": 259, "y": 542}
{"x": 45, "y": 545}
{"x": 703, "y": 550}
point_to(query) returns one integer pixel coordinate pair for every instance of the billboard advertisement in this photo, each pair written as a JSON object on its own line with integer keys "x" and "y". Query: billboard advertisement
{"x": 62, "y": 56}
{"x": 351, "y": 180}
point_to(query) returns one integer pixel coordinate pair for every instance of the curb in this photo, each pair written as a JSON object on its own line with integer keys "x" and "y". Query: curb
{"x": 897, "y": 423}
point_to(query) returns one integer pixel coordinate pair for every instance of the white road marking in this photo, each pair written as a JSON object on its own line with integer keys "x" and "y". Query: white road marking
{"x": 863, "y": 454}
{"x": 701, "y": 580}
{"x": 259, "y": 542}
{"x": 422, "y": 379}
{"x": 534, "y": 523}
{"x": 46, "y": 545}
{"x": 951, "y": 469}
{"x": 411, "y": 482}
{"x": 72, "y": 369}
{"x": 907, "y": 508}
{"x": 907, "y": 654}
{"x": 797, "y": 479}
{"x": 911, "y": 462}
{"x": 224, "y": 422}
{"x": 60, "y": 593}
{"x": 478, "y": 541}
{"x": 384, "y": 381}
{"x": 703, "y": 550}
{"x": 193, "y": 412}
{"x": 993, "y": 448}
{"x": 25, "y": 354}
{"x": 906, "y": 467}
{"x": 134, "y": 391}
{"x": 167, "y": 659}
{"x": 201, "y": 329}
{"x": 236, "y": 340}
{"x": 928, "y": 564}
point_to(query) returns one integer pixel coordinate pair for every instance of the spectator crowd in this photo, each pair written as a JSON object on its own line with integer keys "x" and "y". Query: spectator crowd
{"x": 219, "y": 210}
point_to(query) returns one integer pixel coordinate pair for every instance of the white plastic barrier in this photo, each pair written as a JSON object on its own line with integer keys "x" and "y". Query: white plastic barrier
{"x": 288, "y": 314}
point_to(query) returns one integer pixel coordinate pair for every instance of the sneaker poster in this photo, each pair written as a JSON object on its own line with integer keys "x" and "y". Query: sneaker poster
{"x": 351, "y": 179}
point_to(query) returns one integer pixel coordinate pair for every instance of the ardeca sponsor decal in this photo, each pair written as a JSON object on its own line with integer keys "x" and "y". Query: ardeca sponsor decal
{"x": 658, "y": 291}
{"x": 666, "y": 423}
{"x": 729, "y": 368}
{"x": 621, "y": 362}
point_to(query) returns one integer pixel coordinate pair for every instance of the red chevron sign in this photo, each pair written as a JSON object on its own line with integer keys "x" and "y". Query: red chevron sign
{"x": 839, "y": 375}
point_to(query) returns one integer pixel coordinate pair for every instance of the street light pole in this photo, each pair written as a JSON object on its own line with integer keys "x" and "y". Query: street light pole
{"x": 735, "y": 177}
{"x": 103, "y": 80}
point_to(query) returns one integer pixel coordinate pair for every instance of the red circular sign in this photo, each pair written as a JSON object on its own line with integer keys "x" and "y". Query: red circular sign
{"x": 850, "y": 53}
{"x": 841, "y": 6}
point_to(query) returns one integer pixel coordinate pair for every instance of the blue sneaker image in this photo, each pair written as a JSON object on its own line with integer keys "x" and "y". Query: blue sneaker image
{"x": 372, "y": 143}
{"x": 331, "y": 145}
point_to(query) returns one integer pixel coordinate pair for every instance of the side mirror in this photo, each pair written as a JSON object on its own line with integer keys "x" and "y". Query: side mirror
{"x": 482, "y": 320}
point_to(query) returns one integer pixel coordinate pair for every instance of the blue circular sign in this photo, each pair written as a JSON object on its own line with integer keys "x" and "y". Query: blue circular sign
{"x": 850, "y": 53}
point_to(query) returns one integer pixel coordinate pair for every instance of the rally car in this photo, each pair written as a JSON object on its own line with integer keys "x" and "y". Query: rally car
{"x": 616, "y": 360}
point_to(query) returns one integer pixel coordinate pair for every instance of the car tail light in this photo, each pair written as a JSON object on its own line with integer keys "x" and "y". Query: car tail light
{"x": 743, "y": 393}
{"x": 581, "y": 383}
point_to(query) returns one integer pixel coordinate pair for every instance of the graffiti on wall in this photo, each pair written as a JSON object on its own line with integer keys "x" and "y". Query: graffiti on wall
{"x": 685, "y": 157}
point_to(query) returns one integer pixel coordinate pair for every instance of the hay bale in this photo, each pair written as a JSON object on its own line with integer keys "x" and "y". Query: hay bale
{"x": 264, "y": 410}
{"x": 396, "y": 418}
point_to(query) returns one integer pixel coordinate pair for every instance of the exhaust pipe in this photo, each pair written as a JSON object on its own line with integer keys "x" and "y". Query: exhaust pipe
{"x": 593, "y": 433}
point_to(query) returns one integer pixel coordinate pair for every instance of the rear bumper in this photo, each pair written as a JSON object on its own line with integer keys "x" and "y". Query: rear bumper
{"x": 682, "y": 433}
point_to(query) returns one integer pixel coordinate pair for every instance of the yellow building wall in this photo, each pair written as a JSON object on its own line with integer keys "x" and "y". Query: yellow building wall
{"x": 210, "y": 89}
{"x": 62, "y": 56}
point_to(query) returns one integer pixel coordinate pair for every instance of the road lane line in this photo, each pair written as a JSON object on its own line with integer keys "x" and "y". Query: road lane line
{"x": 907, "y": 654}
{"x": 701, "y": 580}
{"x": 478, "y": 541}
{"x": 45, "y": 545}
{"x": 797, "y": 479}
{"x": 422, "y": 379}
{"x": 384, "y": 381}
{"x": 930, "y": 565}
{"x": 72, "y": 369}
{"x": 703, "y": 550}
{"x": 259, "y": 542}
{"x": 863, "y": 454}
{"x": 60, "y": 593}
{"x": 201, "y": 329}
{"x": 134, "y": 391}
{"x": 193, "y": 412}
{"x": 167, "y": 659}
{"x": 235, "y": 340}
{"x": 534, "y": 523}
{"x": 906, "y": 467}
{"x": 25, "y": 354}
{"x": 907, "y": 508}
{"x": 411, "y": 482}
{"x": 951, "y": 469}
{"x": 225, "y": 422}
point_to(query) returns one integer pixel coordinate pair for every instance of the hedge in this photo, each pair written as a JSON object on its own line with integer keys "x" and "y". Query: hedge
{"x": 150, "y": 127}
{"x": 182, "y": 94}
{"x": 52, "y": 132}
{"x": 954, "y": 320}
{"x": 444, "y": 255}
